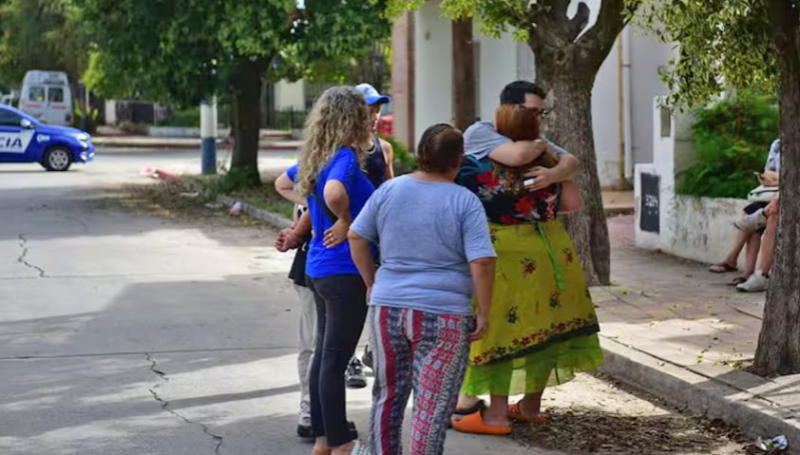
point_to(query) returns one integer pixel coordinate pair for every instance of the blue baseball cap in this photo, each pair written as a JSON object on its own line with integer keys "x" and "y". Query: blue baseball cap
{"x": 371, "y": 95}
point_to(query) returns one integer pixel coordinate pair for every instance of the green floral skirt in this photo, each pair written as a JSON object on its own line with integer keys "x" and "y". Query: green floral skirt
{"x": 542, "y": 324}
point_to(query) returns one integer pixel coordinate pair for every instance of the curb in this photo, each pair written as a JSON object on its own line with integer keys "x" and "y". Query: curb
{"x": 275, "y": 220}
{"x": 699, "y": 394}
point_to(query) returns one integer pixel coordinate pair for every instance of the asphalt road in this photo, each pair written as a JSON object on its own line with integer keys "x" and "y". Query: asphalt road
{"x": 129, "y": 334}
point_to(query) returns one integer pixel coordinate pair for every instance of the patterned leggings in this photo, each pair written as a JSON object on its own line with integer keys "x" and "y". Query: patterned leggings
{"x": 424, "y": 351}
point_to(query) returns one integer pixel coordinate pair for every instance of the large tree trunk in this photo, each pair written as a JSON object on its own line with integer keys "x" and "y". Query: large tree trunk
{"x": 464, "y": 103}
{"x": 778, "y": 349}
{"x": 246, "y": 91}
{"x": 571, "y": 128}
{"x": 568, "y": 58}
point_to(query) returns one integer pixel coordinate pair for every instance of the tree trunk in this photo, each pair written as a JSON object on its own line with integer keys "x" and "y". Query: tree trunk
{"x": 246, "y": 91}
{"x": 571, "y": 127}
{"x": 778, "y": 350}
{"x": 463, "y": 74}
{"x": 568, "y": 56}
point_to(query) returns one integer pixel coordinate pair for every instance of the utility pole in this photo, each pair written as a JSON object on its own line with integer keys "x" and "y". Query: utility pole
{"x": 208, "y": 136}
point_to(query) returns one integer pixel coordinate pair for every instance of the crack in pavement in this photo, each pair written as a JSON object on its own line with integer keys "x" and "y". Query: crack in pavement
{"x": 22, "y": 259}
{"x": 165, "y": 404}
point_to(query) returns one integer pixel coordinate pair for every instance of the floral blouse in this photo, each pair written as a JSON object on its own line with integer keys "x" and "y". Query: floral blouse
{"x": 503, "y": 195}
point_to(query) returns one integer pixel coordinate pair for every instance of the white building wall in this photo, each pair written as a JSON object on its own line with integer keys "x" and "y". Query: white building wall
{"x": 605, "y": 120}
{"x": 433, "y": 80}
{"x": 290, "y": 95}
{"x": 647, "y": 56}
{"x": 498, "y": 67}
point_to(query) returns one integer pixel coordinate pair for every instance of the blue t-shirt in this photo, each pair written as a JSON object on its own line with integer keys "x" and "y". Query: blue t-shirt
{"x": 324, "y": 262}
{"x": 428, "y": 233}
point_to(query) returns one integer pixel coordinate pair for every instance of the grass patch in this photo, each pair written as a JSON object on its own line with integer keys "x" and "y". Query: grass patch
{"x": 238, "y": 187}
{"x": 194, "y": 199}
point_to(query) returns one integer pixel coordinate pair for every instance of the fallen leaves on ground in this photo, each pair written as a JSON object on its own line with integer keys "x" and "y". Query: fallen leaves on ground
{"x": 590, "y": 431}
{"x": 177, "y": 201}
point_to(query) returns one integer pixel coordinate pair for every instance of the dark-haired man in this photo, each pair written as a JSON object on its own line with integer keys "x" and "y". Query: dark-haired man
{"x": 482, "y": 140}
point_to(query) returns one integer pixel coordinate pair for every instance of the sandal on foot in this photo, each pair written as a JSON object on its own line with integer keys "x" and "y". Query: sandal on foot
{"x": 722, "y": 267}
{"x": 321, "y": 451}
{"x": 474, "y": 424}
{"x": 514, "y": 413}
{"x": 479, "y": 406}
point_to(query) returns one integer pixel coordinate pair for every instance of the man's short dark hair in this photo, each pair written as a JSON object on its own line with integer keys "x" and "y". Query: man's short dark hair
{"x": 515, "y": 92}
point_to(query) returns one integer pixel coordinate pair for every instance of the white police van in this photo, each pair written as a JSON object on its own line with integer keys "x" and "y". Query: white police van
{"x": 46, "y": 96}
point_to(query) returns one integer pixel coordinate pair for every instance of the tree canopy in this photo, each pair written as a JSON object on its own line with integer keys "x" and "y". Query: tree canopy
{"x": 41, "y": 34}
{"x": 185, "y": 50}
{"x": 723, "y": 44}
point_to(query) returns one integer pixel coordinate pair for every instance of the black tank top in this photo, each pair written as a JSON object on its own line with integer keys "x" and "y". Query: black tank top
{"x": 376, "y": 164}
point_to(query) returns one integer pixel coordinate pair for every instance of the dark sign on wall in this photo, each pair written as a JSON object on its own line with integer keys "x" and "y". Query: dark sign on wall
{"x": 650, "y": 200}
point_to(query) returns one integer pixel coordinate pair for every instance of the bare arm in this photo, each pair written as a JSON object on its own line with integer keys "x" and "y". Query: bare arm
{"x": 483, "y": 280}
{"x": 303, "y": 226}
{"x": 338, "y": 200}
{"x": 285, "y": 187}
{"x": 520, "y": 153}
{"x": 293, "y": 237}
{"x": 362, "y": 256}
{"x": 567, "y": 168}
{"x": 388, "y": 155}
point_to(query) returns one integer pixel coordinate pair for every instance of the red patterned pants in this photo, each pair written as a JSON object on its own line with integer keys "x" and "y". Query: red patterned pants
{"x": 423, "y": 352}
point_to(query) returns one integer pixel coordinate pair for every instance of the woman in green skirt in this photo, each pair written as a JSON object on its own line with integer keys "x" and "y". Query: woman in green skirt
{"x": 542, "y": 324}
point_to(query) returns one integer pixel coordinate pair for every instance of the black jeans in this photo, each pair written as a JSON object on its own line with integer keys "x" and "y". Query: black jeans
{"x": 341, "y": 311}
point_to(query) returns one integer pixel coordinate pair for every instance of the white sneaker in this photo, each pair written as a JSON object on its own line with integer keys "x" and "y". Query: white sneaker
{"x": 751, "y": 223}
{"x": 756, "y": 283}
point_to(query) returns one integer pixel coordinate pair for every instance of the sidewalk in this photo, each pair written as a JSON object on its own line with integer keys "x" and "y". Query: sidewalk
{"x": 148, "y": 142}
{"x": 673, "y": 328}
{"x": 618, "y": 202}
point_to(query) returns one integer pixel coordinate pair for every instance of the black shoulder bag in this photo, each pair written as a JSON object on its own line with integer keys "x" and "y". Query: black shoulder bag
{"x": 321, "y": 201}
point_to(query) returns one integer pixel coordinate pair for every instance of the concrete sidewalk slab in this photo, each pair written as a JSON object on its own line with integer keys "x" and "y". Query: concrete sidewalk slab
{"x": 674, "y": 329}
{"x": 618, "y": 202}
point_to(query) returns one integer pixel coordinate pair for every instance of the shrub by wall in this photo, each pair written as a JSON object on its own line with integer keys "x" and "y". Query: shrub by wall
{"x": 731, "y": 139}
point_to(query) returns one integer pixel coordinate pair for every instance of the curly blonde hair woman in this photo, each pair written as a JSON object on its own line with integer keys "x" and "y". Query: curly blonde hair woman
{"x": 330, "y": 179}
{"x": 336, "y": 120}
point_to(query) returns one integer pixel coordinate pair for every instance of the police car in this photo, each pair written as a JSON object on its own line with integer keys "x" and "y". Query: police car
{"x": 23, "y": 139}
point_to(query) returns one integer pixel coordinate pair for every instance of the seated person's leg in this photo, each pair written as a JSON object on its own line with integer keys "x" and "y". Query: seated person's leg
{"x": 768, "y": 252}
{"x": 759, "y": 281}
{"x": 742, "y": 237}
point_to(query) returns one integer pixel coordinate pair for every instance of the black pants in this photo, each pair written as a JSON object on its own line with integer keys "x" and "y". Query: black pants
{"x": 341, "y": 311}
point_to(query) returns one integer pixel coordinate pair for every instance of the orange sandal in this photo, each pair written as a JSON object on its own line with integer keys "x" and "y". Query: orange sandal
{"x": 514, "y": 413}
{"x": 474, "y": 424}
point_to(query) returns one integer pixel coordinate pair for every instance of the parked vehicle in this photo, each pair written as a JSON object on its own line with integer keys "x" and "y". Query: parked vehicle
{"x": 385, "y": 123}
{"x": 46, "y": 96}
{"x": 23, "y": 139}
